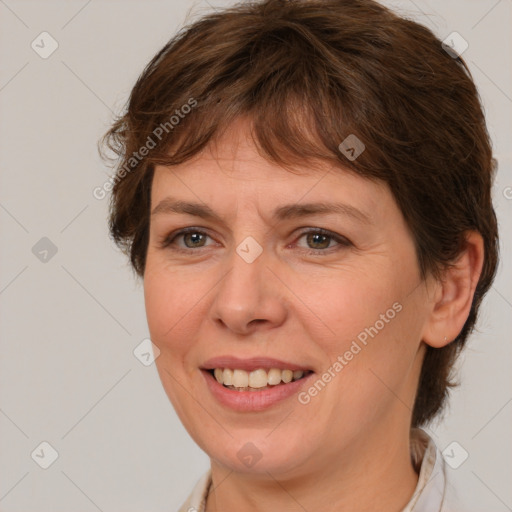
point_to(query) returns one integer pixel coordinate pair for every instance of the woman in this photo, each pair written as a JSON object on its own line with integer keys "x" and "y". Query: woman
{"x": 305, "y": 188}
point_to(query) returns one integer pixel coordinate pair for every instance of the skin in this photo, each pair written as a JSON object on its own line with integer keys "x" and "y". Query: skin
{"x": 347, "y": 449}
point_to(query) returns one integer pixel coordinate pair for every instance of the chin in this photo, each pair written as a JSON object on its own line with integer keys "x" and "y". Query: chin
{"x": 257, "y": 452}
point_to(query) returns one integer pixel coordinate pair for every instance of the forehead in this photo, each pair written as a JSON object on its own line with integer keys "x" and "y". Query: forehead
{"x": 231, "y": 170}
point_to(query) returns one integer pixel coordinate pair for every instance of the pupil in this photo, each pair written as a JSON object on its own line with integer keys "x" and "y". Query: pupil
{"x": 319, "y": 235}
{"x": 196, "y": 237}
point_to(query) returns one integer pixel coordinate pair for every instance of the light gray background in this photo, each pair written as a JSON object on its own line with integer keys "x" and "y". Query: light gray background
{"x": 69, "y": 325}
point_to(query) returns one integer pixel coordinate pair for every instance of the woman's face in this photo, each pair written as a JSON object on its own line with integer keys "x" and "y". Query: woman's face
{"x": 249, "y": 282}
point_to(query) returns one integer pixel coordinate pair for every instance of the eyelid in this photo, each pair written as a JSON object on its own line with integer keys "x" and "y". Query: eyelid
{"x": 168, "y": 239}
{"x": 341, "y": 240}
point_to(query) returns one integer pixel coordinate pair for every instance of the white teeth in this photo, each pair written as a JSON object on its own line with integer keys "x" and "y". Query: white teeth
{"x": 274, "y": 377}
{"x": 287, "y": 376}
{"x": 227, "y": 377}
{"x": 240, "y": 378}
{"x": 256, "y": 379}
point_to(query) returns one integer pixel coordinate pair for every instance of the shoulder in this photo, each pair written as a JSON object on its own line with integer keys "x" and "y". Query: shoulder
{"x": 197, "y": 498}
{"x": 437, "y": 490}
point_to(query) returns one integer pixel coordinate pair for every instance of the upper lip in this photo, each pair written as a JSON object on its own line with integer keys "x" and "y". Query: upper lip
{"x": 250, "y": 364}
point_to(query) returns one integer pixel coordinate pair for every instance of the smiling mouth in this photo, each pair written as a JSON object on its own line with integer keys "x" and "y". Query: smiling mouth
{"x": 257, "y": 380}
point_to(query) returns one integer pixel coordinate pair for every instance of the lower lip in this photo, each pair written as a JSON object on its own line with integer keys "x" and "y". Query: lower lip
{"x": 253, "y": 400}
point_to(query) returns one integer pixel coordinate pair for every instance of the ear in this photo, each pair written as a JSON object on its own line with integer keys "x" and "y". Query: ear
{"x": 453, "y": 295}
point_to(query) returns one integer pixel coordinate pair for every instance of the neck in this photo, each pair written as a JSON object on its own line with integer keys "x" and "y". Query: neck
{"x": 376, "y": 474}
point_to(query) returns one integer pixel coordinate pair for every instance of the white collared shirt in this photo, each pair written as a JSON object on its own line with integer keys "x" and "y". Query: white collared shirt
{"x": 432, "y": 493}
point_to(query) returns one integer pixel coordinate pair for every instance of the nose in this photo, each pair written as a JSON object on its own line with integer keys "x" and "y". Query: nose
{"x": 250, "y": 296}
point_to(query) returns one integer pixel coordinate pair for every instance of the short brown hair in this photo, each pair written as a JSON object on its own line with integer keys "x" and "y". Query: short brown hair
{"x": 308, "y": 74}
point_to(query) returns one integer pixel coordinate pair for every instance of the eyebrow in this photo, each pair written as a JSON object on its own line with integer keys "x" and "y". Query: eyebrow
{"x": 292, "y": 211}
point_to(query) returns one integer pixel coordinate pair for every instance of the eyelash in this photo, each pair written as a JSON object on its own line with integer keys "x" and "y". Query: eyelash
{"x": 342, "y": 241}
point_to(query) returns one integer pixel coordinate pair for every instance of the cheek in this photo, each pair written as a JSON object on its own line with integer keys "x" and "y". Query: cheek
{"x": 168, "y": 323}
{"x": 373, "y": 325}
{"x": 167, "y": 304}
{"x": 348, "y": 305}
{"x": 158, "y": 302}
{"x": 378, "y": 357}
{"x": 176, "y": 303}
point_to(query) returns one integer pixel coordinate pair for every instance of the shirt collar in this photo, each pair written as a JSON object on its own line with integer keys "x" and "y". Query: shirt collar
{"x": 428, "y": 461}
{"x": 428, "y": 496}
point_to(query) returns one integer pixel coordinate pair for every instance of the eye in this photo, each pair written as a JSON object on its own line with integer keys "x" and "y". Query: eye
{"x": 192, "y": 237}
{"x": 322, "y": 239}
{"x": 195, "y": 238}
